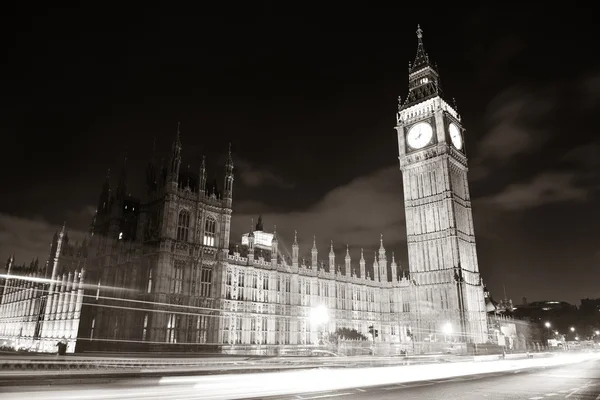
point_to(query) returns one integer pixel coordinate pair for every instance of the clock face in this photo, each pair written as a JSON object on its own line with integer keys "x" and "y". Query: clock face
{"x": 455, "y": 136}
{"x": 419, "y": 135}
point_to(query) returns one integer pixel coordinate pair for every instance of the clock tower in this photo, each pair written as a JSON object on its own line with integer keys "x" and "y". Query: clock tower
{"x": 439, "y": 223}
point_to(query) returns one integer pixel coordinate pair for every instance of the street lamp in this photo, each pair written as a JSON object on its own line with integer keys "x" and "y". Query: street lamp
{"x": 572, "y": 329}
{"x": 547, "y": 324}
{"x": 319, "y": 316}
{"x": 447, "y": 330}
{"x": 597, "y": 333}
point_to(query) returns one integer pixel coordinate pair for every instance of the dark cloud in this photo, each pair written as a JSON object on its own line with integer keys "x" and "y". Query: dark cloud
{"x": 28, "y": 238}
{"x": 586, "y": 156}
{"x": 254, "y": 176}
{"x": 546, "y": 188}
{"x": 81, "y": 218}
{"x": 511, "y": 128}
{"x": 353, "y": 214}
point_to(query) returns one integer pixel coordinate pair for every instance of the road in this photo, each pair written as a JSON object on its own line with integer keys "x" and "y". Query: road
{"x": 565, "y": 377}
{"x": 574, "y": 382}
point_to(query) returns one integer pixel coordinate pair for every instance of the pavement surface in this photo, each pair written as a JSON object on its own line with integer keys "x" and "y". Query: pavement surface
{"x": 569, "y": 377}
{"x": 575, "y": 382}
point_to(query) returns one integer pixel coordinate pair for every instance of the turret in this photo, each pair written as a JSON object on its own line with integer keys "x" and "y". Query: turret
{"x": 9, "y": 264}
{"x": 175, "y": 163}
{"x": 314, "y": 255}
{"x": 251, "y": 242}
{"x": 202, "y": 178}
{"x": 362, "y": 264}
{"x": 332, "y": 259}
{"x": 382, "y": 261}
{"x": 228, "y": 187}
{"x": 375, "y": 268}
{"x": 394, "y": 269}
{"x": 121, "y": 186}
{"x": 151, "y": 178}
{"x": 274, "y": 248}
{"x": 295, "y": 252}
{"x": 103, "y": 201}
{"x": 347, "y": 262}
{"x": 56, "y": 251}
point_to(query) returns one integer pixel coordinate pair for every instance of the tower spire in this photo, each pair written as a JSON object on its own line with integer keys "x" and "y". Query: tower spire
{"x": 421, "y": 58}
{"x": 229, "y": 178}
{"x": 424, "y": 81}
{"x": 202, "y": 177}
{"x": 175, "y": 159}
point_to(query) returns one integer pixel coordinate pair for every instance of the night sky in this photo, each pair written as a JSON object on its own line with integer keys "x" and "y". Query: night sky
{"x": 307, "y": 98}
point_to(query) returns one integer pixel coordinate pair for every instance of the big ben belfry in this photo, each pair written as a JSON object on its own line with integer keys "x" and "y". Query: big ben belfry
{"x": 439, "y": 223}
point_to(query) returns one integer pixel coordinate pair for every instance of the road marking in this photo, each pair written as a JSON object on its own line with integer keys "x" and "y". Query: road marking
{"x": 551, "y": 394}
{"x": 535, "y": 398}
{"x": 361, "y": 390}
{"x": 327, "y": 395}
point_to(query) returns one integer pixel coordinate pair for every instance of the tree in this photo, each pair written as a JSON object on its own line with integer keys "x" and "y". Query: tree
{"x": 349, "y": 334}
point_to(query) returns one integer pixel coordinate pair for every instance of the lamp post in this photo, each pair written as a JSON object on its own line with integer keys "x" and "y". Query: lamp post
{"x": 319, "y": 316}
{"x": 447, "y": 330}
{"x": 547, "y": 325}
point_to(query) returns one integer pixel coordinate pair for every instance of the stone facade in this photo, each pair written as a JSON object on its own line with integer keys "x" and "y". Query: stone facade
{"x": 439, "y": 222}
{"x": 159, "y": 274}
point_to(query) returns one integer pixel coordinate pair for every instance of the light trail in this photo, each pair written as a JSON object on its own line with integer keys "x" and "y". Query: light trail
{"x": 253, "y": 385}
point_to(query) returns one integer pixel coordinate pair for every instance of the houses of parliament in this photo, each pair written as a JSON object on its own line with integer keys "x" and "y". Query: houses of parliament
{"x": 158, "y": 273}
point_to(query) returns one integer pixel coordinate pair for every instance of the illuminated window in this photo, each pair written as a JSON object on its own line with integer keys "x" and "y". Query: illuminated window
{"x": 177, "y": 278}
{"x": 145, "y": 330}
{"x": 183, "y": 225}
{"x": 201, "y": 329}
{"x": 149, "y": 290}
{"x": 210, "y": 228}
{"x": 92, "y": 330}
{"x": 172, "y": 325}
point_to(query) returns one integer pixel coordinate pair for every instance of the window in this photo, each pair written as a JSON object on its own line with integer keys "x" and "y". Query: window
{"x": 149, "y": 289}
{"x": 172, "y": 325}
{"x": 145, "y": 329}
{"x": 92, "y": 330}
{"x": 201, "y": 328}
{"x": 183, "y": 225}
{"x": 177, "y": 278}
{"x": 210, "y": 228}
{"x": 205, "y": 282}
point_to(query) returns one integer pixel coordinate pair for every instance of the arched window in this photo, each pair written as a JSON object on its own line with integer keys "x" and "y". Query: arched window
{"x": 210, "y": 229}
{"x": 183, "y": 225}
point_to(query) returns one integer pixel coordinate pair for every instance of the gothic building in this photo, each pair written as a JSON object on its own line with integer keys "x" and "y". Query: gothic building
{"x": 40, "y": 305}
{"x": 159, "y": 274}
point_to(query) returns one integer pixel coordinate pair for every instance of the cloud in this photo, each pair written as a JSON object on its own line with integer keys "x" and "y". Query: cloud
{"x": 586, "y": 156}
{"x": 354, "y": 214}
{"x": 253, "y": 176}
{"x": 28, "y": 238}
{"x": 545, "y": 188}
{"x": 82, "y": 217}
{"x": 512, "y": 121}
